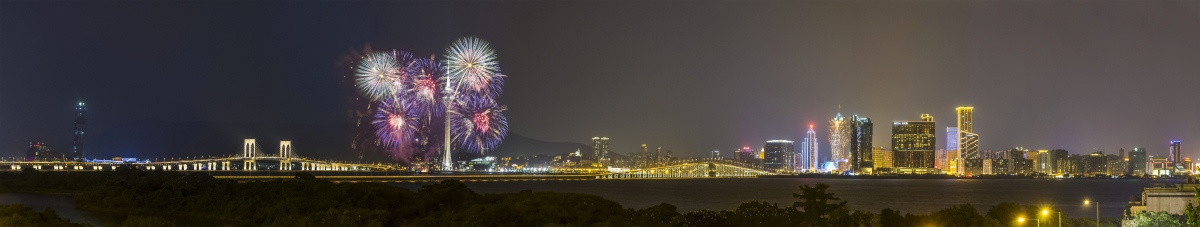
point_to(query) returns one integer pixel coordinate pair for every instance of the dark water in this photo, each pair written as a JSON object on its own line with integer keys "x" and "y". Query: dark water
{"x": 63, "y": 205}
{"x": 906, "y": 195}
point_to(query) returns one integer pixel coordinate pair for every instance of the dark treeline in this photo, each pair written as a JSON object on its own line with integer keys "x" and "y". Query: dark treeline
{"x": 157, "y": 198}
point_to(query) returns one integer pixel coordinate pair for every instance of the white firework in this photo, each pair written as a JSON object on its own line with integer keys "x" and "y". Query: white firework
{"x": 380, "y": 75}
{"x": 471, "y": 62}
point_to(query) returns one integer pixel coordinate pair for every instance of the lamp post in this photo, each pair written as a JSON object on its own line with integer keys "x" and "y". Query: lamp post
{"x": 1087, "y": 202}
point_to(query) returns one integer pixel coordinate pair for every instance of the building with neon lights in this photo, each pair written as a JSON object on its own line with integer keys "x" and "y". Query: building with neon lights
{"x": 913, "y": 145}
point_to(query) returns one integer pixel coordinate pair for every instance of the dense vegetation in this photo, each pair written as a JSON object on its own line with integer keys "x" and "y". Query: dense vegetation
{"x": 156, "y": 198}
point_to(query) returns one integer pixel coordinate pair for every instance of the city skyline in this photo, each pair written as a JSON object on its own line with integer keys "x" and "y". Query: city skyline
{"x": 760, "y": 72}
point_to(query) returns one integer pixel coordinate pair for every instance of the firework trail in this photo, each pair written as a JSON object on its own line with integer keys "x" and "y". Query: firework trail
{"x": 477, "y": 123}
{"x": 381, "y": 75}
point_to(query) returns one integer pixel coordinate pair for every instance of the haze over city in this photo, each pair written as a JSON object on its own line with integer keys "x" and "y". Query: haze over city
{"x": 171, "y": 79}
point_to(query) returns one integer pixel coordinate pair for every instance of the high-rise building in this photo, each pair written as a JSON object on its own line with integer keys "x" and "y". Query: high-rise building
{"x": 1174, "y": 155}
{"x": 860, "y": 143}
{"x": 913, "y": 143}
{"x": 839, "y": 141}
{"x": 881, "y": 159}
{"x": 600, "y": 149}
{"x": 968, "y": 141}
{"x": 1045, "y": 164}
{"x": 952, "y": 139}
{"x": 809, "y": 149}
{"x": 658, "y": 156}
{"x": 1096, "y": 164}
{"x": 746, "y": 155}
{"x": 1137, "y": 161}
{"x": 968, "y": 145}
{"x": 966, "y": 118}
{"x": 952, "y": 152}
{"x": 778, "y": 155}
{"x": 77, "y": 139}
{"x": 38, "y": 151}
{"x": 1061, "y": 162}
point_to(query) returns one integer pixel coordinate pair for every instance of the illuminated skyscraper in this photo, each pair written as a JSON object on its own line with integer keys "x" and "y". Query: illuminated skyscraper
{"x": 860, "y": 143}
{"x": 1137, "y": 161}
{"x": 913, "y": 144}
{"x": 968, "y": 141}
{"x": 600, "y": 149}
{"x": 808, "y": 148}
{"x": 77, "y": 139}
{"x": 778, "y": 155}
{"x": 952, "y": 157}
{"x": 1174, "y": 156}
{"x": 839, "y": 141}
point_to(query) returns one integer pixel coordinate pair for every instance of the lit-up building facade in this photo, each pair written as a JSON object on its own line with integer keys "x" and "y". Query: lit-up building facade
{"x": 38, "y": 151}
{"x": 778, "y": 156}
{"x": 1137, "y": 161}
{"x": 839, "y": 141}
{"x": 77, "y": 134}
{"x": 1174, "y": 156}
{"x": 600, "y": 149}
{"x": 913, "y": 144}
{"x": 881, "y": 159}
{"x": 808, "y": 148}
{"x": 860, "y": 144}
{"x": 966, "y": 139}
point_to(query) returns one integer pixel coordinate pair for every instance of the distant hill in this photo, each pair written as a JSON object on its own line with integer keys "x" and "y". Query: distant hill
{"x": 516, "y": 144}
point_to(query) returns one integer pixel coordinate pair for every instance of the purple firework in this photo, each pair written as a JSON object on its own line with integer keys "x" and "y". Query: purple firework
{"x": 426, "y": 78}
{"x": 396, "y": 123}
{"x": 477, "y": 123}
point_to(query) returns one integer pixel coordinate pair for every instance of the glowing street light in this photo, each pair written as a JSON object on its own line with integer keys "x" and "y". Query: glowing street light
{"x": 1046, "y": 212}
{"x": 1022, "y": 220}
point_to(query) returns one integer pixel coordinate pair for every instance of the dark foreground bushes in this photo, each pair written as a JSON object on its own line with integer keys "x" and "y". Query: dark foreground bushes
{"x": 156, "y": 198}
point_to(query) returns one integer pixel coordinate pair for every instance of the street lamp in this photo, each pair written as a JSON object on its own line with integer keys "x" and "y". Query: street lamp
{"x": 1087, "y": 202}
{"x": 1022, "y": 220}
{"x": 1046, "y": 212}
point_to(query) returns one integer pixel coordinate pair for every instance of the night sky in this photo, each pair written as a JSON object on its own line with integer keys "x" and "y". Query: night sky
{"x": 174, "y": 79}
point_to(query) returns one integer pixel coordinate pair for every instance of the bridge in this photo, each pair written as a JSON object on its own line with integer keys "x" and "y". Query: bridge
{"x": 251, "y": 159}
{"x": 695, "y": 168}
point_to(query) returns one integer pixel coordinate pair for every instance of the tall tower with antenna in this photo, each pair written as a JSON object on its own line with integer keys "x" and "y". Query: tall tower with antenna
{"x": 77, "y": 136}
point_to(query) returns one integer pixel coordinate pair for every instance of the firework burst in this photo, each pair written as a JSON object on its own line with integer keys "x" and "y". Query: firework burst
{"x": 471, "y": 62}
{"x": 426, "y": 78}
{"x": 477, "y": 123}
{"x": 381, "y": 75}
{"x": 396, "y": 123}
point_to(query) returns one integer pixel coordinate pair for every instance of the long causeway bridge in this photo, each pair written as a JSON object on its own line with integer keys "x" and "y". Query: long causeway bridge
{"x": 252, "y": 159}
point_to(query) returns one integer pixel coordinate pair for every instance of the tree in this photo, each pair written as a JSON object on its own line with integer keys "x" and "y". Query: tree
{"x": 1193, "y": 211}
{"x": 1156, "y": 219}
{"x": 816, "y": 206}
